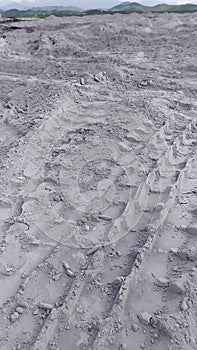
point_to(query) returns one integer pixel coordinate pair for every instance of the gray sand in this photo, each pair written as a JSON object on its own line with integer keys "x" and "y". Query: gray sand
{"x": 98, "y": 184}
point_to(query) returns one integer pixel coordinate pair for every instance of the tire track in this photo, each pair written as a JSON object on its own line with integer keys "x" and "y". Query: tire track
{"x": 72, "y": 302}
{"x": 131, "y": 281}
{"x": 68, "y": 309}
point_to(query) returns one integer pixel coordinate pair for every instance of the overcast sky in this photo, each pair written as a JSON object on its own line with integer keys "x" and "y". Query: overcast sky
{"x": 85, "y": 3}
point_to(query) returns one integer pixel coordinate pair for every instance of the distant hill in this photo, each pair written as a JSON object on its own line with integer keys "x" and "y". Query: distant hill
{"x": 128, "y": 6}
{"x": 42, "y": 12}
{"x": 173, "y": 8}
{"x": 11, "y": 13}
{"x": 124, "y": 7}
{"x": 57, "y": 8}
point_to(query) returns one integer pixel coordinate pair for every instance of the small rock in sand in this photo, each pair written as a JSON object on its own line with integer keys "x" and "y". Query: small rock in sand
{"x": 96, "y": 79}
{"x": 144, "y": 83}
{"x": 145, "y": 318}
{"x": 174, "y": 250}
{"x": 183, "y": 305}
{"x": 19, "y": 309}
{"x": 15, "y": 316}
{"x": 105, "y": 217}
{"x": 161, "y": 282}
{"x": 70, "y": 273}
{"x": 135, "y": 327}
{"x": 35, "y": 312}
{"x": 91, "y": 251}
{"x": 178, "y": 285}
{"x": 46, "y": 306}
{"x": 66, "y": 265}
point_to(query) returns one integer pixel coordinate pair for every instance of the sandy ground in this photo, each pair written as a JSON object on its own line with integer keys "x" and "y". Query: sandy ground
{"x": 98, "y": 189}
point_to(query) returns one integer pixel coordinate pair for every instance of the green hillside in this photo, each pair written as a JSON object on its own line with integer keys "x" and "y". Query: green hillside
{"x": 174, "y": 8}
{"x": 124, "y": 7}
{"x": 14, "y": 13}
{"x": 129, "y": 7}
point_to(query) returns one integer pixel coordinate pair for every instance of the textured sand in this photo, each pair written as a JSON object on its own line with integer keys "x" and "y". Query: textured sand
{"x": 98, "y": 184}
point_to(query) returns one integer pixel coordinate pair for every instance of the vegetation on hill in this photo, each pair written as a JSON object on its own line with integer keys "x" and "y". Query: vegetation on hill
{"x": 14, "y": 13}
{"x": 129, "y": 7}
{"x": 124, "y": 7}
